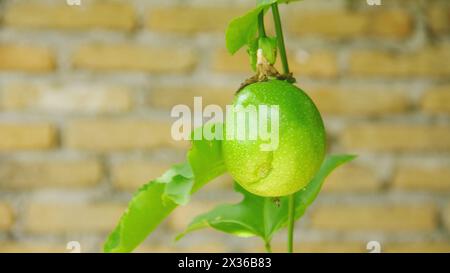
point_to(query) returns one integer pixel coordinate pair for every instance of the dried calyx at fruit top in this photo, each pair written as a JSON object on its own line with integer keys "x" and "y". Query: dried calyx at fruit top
{"x": 266, "y": 71}
{"x": 263, "y": 49}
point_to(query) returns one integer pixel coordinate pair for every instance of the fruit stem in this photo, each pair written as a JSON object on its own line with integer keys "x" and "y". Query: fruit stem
{"x": 261, "y": 29}
{"x": 280, "y": 37}
{"x": 291, "y": 221}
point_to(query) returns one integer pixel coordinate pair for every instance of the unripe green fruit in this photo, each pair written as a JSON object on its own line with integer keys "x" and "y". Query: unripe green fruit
{"x": 302, "y": 142}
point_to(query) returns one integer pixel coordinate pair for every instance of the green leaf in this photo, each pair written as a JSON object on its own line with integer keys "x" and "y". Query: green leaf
{"x": 205, "y": 156}
{"x": 261, "y": 216}
{"x": 242, "y": 30}
{"x": 154, "y": 201}
{"x": 306, "y": 197}
{"x": 145, "y": 212}
{"x": 269, "y": 48}
{"x": 179, "y": 181}
{"x": 243, "y": 219}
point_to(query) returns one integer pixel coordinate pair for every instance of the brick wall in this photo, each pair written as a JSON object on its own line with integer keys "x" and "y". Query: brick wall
{"x": 85, "y": 95}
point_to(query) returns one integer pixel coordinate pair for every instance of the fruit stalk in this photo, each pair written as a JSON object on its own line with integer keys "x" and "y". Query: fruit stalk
{"x": 280, "y": 37}
{"x": 285, "y": 64}
{"x": 261, "y": 29}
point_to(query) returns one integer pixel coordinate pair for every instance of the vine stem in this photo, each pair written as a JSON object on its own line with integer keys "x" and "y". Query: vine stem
{"x": 280, "y": 37}
{"x": 261, "y": 28}
{"x": 285, "y": 64}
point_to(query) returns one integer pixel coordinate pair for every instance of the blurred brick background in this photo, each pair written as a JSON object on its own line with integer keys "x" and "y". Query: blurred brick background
{"x": 85, "y": 95}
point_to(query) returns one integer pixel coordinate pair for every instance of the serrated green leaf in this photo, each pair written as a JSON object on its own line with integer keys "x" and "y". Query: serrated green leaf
{"x": 145, "y": 212}
{"x": 243, "y": 219}
{"x": 154, "y": 201}
{"x": 261, "y": 216}
{"x": 305, "y": 197}
{"x": 269, "y": 48}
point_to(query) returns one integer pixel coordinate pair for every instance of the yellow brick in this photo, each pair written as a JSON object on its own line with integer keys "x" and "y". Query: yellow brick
{"x": 132, "y": 175}
{"x": 438, "y": 18}
{"x": 119, "y": 134}
{"x": 71, "y": 98}
{"x": 437, "y": 100}
{"x": 6, "y": 217}
{"x": 53, "y": 218}
{"x": 345, "y": 24}
{"x": 420, "y": 247}
{"x": 433, "y": 61}
{"x": 352, "y": 178}
{"x": 19, "y": 247}
{"x": 339, "y": 101}
{"x": 22, "y": 136}
{"x": 135, "y": 58}
{"x": 328, "y": 23}
{"x": 317, "y": 64}
{"x": 446, "y": 216}
{"x": 391, "y": 23}
{"x": 321, "y": 247}
{"x": 436, "y": 178}
{"x": 190, "y": 19}
{"x": 29, "y": 175}
{"x": 183, "y": 215}
{"x": 167, "y": 97}
{"x": 26, "y": 58}
{"x": 225, "y": 62}
{"x": 397, "y": 137}
{"x": 395, "y": 218}
{"x": 97, "y": 15}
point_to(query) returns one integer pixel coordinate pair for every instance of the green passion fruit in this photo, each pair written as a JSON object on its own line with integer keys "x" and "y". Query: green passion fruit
{"x": 301, "y": 141}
